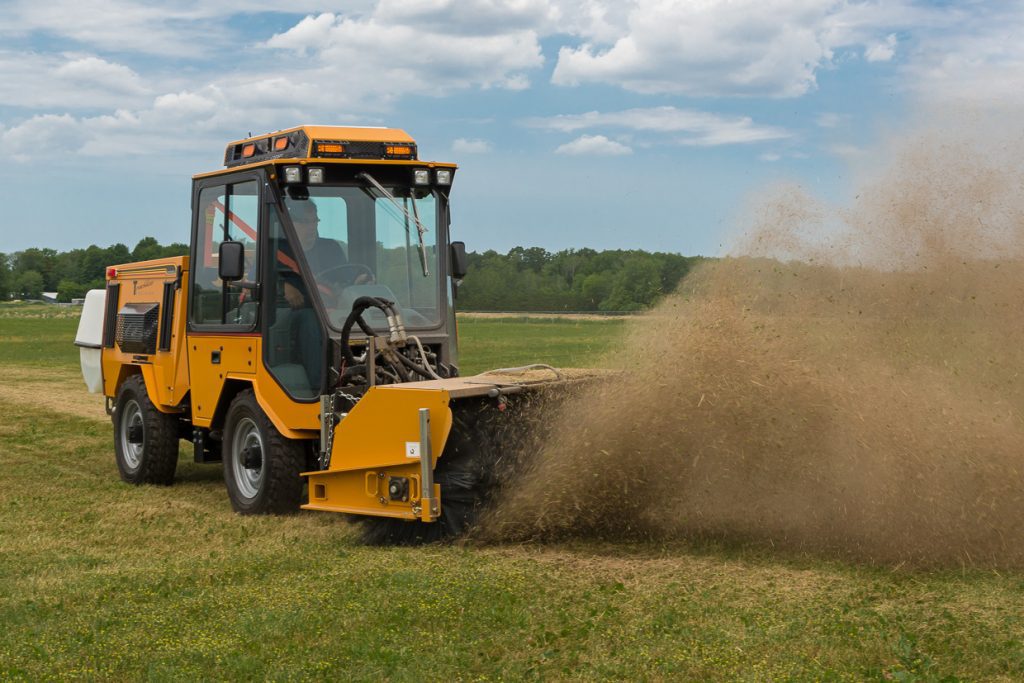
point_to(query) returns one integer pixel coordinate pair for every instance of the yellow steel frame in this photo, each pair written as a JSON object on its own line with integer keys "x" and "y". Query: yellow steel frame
{"x": 372, "y": 444}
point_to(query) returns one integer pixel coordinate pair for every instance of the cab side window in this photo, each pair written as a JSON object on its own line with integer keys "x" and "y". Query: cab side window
{"x": 225, "y": 212}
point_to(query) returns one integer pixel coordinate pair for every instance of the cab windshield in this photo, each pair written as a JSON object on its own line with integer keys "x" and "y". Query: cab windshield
{"x": 358, "y": 242}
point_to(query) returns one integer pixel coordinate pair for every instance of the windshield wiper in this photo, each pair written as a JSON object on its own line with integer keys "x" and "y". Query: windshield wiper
{"x": 414, "y": 217}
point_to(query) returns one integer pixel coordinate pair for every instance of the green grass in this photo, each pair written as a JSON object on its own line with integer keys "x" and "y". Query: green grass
{"x": 102, "y": 580}
{"x": 490, "y": 343}
{"x": 36, "y": 334}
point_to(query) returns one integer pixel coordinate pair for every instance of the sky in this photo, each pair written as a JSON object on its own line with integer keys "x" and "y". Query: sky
{"x": 646, "y": 124}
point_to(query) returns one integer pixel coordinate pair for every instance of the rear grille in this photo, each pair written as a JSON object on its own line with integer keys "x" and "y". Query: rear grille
{"x": 136, "y": 328}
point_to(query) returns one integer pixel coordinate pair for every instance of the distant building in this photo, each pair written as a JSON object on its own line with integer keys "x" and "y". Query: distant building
{"x": 50, "y": 297}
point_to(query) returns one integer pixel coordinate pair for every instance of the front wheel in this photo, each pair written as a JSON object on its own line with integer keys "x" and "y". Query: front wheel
{"x": 145, "y": 440}
{"x": 261, "y": 467}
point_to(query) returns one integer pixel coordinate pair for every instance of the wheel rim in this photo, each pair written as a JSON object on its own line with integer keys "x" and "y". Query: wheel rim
{"x": 249, "y": 479}
{"x": 131, "y": 419}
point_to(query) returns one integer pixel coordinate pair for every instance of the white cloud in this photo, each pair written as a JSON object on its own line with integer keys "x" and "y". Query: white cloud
{"x": 469, "y": 17}
{"x": 696, "y": 127}
{"x": 101, "y": 74}
{"x": 112, "y": 24}
{"x": 748, "y": 47}
{"x": 977, "y": 56}
{"x": 769, "y": 156}
{"x": 44, "y": 132}
{"x": 395, "y": 59}
{"x": 308, "y": 35}
{"x": 63, "y": 82}
{"x": 181, "y": 29}
{"x": 597, "y": 145}
{"x": 770, "y": 48}
{"x": 187, "y": 103}
{"x": 883, "y": 51}
{"x": 357, "y": 61}
{"x": 471, "y": 146}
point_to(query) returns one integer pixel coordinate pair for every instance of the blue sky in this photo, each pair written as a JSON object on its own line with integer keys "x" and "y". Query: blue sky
{"x": 576, "y": 123}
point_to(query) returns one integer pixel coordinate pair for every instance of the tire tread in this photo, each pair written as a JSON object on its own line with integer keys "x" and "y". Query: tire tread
{"x": 160, "y": 457}
{"x": 285, "y": 459}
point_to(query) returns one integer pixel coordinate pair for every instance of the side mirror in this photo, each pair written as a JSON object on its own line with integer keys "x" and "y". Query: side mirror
{"x": 232, "y": 261}
{"x": 459, "y": 266}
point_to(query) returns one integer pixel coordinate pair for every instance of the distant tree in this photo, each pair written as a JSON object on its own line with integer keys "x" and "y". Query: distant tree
{"x": 5, "y": 278}
{"x": 635, "y": 287}
{"x": 175, "y": 249}
{"x": 595, "y": 288}
{"x": 93, "y": 264}
{"x": 147, "y": 248}
{"x": 69, "y": 289}
{"x": 42, "y": 261}
{"x": 29, "y": 285}
{"x": 118, "y": 253}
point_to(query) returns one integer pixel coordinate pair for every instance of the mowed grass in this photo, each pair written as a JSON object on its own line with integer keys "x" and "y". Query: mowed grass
{"x": 101, "y": 580}
{"x": 489, "y": 343}
{"x": 38, "y": 335}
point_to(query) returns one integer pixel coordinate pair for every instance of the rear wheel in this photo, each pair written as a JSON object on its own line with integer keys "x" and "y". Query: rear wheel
{"x": 145, "y": 440}
{"x": 261, "y": 466}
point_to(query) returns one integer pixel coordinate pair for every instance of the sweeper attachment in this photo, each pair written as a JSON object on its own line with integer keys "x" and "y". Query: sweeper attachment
{"x": 308, "y": 342}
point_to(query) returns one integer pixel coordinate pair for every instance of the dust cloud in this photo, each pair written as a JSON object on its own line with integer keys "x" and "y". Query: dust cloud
{"x": 847, "y": 380}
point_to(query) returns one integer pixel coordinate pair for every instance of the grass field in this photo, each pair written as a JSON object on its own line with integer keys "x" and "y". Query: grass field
{"x": 101, "y": 580}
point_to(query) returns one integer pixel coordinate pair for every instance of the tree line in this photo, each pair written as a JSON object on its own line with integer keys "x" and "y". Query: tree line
{"x": 534, "y": 279}
{"x": 524, "y": 279}
{"x": 27, "y": 274}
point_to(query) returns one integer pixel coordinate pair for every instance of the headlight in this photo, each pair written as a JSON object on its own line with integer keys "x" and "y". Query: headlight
{"x": 293, "y": 174}
{"x": 316, "y": 174}
{"x": 421, "y": 176}
{"x": 444, "y": 176}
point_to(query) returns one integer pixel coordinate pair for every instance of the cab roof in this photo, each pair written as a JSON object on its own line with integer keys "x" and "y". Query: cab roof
{"x": 345, "y": 144}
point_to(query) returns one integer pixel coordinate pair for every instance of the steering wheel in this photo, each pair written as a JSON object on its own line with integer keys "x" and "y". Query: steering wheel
{"x": 346, "y": 274}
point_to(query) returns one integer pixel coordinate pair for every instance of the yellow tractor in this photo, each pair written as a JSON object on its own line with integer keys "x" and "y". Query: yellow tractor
{"x": 308, "y": 342}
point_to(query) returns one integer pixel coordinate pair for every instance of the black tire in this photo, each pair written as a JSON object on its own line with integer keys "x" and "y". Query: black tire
{"x": 261, "y": 467}
{"x": 145, "y": 440}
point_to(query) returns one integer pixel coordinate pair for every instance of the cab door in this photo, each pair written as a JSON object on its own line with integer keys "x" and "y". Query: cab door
{"x": 223, "y": 317}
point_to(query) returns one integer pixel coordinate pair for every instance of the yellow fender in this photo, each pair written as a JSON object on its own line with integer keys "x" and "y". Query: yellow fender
{"x": 379, "y": 440}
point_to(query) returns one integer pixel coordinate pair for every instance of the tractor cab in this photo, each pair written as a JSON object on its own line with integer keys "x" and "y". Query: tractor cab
{"x": 304, "y": 223}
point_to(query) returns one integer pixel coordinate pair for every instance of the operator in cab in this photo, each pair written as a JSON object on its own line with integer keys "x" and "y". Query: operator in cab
{"x": 321, "y": 253}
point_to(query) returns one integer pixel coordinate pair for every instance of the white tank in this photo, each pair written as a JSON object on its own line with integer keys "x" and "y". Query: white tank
{"x": 89, "y": 339}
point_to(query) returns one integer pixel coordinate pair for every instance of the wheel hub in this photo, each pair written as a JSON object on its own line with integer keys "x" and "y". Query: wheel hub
{"x": 133, "y": 434}
{"x": 252, "y": 457}
{"x": 247, "y": 458}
